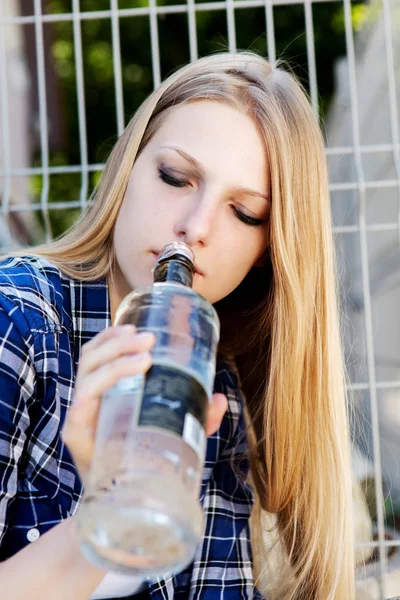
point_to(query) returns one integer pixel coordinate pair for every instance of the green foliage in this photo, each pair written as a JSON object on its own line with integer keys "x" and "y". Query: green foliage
{"x": 136, "y": 63}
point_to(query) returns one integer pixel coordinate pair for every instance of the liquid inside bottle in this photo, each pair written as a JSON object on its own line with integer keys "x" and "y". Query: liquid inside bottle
{"x": 140, "y": 514}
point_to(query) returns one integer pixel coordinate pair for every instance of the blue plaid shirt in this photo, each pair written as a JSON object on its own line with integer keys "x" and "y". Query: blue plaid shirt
{"x": 45, "y": 317}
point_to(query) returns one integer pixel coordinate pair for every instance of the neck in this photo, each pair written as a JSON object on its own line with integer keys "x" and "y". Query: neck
{"x": 117, "y": 290}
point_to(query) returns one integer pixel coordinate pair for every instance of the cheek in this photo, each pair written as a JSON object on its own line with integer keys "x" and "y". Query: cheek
{"x": 133, "y": 221}
{"x": 237, "y": 256}
{"x": 230, "y": 270}
{"x": 125, "y": 235}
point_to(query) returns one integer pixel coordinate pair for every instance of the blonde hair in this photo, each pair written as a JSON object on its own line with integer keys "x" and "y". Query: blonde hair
{"x": 287, "y": 347}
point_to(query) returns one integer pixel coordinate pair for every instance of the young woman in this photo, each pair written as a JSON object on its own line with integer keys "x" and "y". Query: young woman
{"x": 227, "y": 156}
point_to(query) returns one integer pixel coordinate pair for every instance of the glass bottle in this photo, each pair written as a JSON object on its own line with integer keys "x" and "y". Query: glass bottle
{"x": 140, "y": 514}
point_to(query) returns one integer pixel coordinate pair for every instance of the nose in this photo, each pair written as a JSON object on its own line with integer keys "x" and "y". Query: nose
{"x": 195, "y": 225}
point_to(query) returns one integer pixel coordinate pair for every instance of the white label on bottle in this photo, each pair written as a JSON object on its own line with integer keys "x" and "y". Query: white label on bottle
{"x": 194, "y": 435}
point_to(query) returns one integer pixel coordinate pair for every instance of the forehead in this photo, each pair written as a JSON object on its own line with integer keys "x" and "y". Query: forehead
{"x": 221, "y": 138}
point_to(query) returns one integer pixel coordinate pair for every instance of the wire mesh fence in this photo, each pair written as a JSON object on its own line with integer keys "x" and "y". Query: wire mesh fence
{"x": 73, "y": 71}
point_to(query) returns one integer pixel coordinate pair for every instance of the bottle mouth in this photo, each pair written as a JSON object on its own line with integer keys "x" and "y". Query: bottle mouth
{"x": 174, "y": 249}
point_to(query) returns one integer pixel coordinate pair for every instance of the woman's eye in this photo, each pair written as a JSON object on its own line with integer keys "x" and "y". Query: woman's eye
{"x": 246, "y": 219}
{"x": 170, "y": 179}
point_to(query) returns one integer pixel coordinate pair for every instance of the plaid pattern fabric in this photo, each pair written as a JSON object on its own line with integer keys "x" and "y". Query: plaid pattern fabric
{"x": 45, "y": 317}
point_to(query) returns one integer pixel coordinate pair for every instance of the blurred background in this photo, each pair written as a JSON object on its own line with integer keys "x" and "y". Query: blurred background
{"x": 72, "y": 72}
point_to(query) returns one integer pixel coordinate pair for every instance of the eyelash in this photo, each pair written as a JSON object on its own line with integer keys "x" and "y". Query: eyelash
{"x": 171, "y": 180}
{"x": 246, "y": 219}
{"x": 180, "y": 183}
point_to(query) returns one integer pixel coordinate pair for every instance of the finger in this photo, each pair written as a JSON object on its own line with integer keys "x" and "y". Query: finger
{"x": 80, "y": 425}
{"x": 124, "y": 343}
{"x": 105, "y": 335}
{"x": 215, "y": 414}
{"x": 94, "y": 385}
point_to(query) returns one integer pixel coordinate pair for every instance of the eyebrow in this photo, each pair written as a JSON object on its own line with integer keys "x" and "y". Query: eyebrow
{"x": 198, "y": 166}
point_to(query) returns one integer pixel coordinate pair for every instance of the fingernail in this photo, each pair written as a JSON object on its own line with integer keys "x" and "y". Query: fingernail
{"x": 145, "y": 336}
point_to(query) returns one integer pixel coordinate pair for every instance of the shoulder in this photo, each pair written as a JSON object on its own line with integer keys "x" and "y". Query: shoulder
{"x": 31, "y": 289}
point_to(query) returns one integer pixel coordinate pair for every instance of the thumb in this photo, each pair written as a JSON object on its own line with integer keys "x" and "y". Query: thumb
{"x": 216, "y": 410}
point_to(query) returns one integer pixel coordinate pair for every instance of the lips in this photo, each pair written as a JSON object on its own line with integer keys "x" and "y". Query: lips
{"x": 196, "y": 268}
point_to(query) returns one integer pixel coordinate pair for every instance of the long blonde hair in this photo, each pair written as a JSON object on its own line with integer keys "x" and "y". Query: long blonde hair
{"x": 287, "y": 347}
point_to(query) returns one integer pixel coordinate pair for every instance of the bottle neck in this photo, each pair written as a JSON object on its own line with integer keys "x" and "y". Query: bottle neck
{"x": 174, "y": 270}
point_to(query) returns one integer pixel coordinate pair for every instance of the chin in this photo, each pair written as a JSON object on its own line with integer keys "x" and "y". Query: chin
{"x": 145, "y": 281}
{"x": 199, "y": 288}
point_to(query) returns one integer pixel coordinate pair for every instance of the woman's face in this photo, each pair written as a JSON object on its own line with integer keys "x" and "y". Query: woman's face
{"x": 202, "y": 179}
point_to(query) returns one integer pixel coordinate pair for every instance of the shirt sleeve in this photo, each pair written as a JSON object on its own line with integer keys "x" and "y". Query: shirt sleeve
{"x": 223, "y": 564}
{"x": 17, "y": 384}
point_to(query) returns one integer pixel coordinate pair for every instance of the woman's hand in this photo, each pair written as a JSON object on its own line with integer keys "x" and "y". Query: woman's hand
{"x": 112, "y": 354}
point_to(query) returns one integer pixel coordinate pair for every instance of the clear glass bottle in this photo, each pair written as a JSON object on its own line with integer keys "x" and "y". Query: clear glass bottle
{"x": 140, "y": 514}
